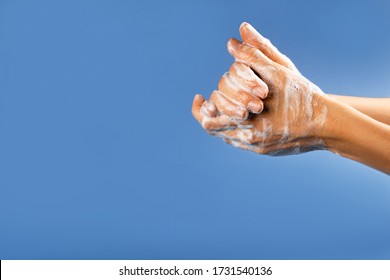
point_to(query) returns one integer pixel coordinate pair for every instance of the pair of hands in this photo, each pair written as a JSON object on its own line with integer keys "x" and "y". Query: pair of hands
{"x": 263, "y": 104}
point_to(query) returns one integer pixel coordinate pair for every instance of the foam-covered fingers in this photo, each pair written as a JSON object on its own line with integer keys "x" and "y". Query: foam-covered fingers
{"x": 218, "y": 123}
{"x": 244, "y": 75}
{"x": 247, "y": 53}
{"x": 250, "y": 36}
{"x": 206, "y": 114}
{"x": 252, "y": 57}
{"x": 240, "y": 97}
{"x": 227, "y": 107}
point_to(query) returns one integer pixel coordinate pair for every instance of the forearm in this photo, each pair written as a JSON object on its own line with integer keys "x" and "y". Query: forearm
{"x": 377, "y": 108}
{"x": 354, "y": 135}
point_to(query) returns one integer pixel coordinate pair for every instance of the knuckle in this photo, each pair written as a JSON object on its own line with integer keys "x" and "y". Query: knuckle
{"x": 241, "y": 113}
{"x": 253, "y": 54}
{"x": 244, "y": 95}
{"x": 236, "y": 65}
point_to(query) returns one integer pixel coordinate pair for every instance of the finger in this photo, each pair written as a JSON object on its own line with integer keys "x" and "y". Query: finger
{"x": 247, "y": 147}
{"x": 243, "y": 75}
{"x": 219, "y": 123}
{"x": 227, "y": 107}
{"x": 245, "y": 135}
{"x": 253, "y": 57}
{"x": 234, "y": 93}
{"x": 237, "y": 144}
{"x": 209, "y": 109}
{"x": 250, "y": 36}
{"x": 196, "y": 105}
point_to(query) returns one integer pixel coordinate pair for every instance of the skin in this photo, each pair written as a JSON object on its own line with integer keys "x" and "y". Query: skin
{"x": 376, "y": 108}
{"x": 296, "y": 116}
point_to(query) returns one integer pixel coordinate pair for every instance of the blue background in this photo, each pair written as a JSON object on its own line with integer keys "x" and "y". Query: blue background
{"x": 100, "y": 157}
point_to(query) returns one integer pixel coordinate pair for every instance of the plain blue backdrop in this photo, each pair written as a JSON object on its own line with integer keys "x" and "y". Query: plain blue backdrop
{"x": 100, "y": 157}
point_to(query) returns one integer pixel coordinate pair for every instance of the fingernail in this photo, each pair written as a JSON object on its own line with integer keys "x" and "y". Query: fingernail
{"x": 255, "y": 107}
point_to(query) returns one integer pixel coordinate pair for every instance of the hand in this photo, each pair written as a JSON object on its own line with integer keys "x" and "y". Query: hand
{"x": 240, "y": 92}
{"x": 294, "y": 113}
{"x": 297, "y": 115}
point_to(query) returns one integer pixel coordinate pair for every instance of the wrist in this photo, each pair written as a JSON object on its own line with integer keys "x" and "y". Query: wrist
{"x": 333, "y": 132}
{"x": 356, "y": 136}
